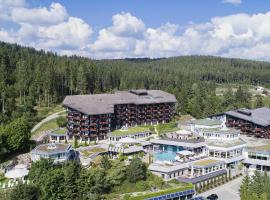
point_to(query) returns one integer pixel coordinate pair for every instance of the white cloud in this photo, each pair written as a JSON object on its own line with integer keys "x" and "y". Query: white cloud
{"x": 121, "y": 36}
{"x": 235, "y": 2}
{"x": 6, "y": 7}
{"x": 6, "y": 36}
{"x": 72, "y": 33}
{"x": 55, "y": 14}
{"x": 126, "y": 24}
{"x": 44, "y": 28}
{"x": 240, "y": 35}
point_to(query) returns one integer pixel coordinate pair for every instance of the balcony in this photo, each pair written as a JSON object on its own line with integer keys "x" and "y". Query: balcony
{"x": 106, "y": 122}
{"x": 84, "y": 118}
{"x": 77, "y": 118}
{"x": 104, "y": 128}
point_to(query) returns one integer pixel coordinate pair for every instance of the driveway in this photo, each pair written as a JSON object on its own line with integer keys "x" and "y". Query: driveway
{"x": 228, "y": 191}
{"x": 50, "y": 117}
{"x": 38, "y": 137}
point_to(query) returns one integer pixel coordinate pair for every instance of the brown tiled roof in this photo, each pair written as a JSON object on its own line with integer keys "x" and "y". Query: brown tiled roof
{"x": 104, "y": 103}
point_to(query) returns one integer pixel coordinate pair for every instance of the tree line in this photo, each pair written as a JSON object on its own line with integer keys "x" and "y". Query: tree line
{"x": 71, "y": 181}
{"x": 255, "y": 187}
{"x": 30, "y": 78}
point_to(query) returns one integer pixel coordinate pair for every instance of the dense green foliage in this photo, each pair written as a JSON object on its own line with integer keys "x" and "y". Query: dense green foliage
{"x": 24, "y": 192}
{"x": 105, "y": 162}
{"x": 31, "y": 78}
{"x": 61, "y": 121}
{"x": 167, "y": 127}
{"x": 71, "y": 181}
{"x": 136, "y": 170}
{"x": 256, "y": 187}
{"x": 14, "y": 136}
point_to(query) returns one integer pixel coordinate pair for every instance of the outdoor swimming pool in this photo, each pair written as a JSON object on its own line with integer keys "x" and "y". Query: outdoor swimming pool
{"x": 165, "y": 156}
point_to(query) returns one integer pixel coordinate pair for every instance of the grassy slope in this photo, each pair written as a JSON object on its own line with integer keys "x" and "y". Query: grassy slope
{"x": 163, "y": 192}
{"x": 50, "y": 125}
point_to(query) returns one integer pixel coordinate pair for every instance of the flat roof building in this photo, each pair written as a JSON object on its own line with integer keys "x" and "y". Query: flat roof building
{"x": 258, "y": 157}
{"x": 58, "y": 152}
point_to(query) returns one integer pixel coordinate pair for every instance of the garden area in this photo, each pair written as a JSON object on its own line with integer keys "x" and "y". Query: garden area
{"x": 170, "y": 189}
{"x": 108, "y": 179}
{"x": 86, "y": 152}
{"x": 132, "y": 130}
{"x": 167, "y": 127}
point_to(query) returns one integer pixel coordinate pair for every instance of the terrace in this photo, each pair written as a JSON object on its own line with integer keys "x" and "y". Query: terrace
{"x": 258, "y": 155}
{"x": 219, "y": 133}
{"x": 226, "y": 144}
{"x": 167, "y": 128}
{"x": 132, "y": 132}
{"x": 206, "y": 122}
{"x": 58, "y": 135}
{"x": 205, "y": 163}
{"x": 126, "y": 145}
{"x": 89, "y": 154}
{"x": 231, "y": 152}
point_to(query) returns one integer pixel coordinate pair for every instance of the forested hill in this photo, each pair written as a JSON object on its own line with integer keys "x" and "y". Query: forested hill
{"x": 34, "y": 78}
{"x": 206, "y": 68}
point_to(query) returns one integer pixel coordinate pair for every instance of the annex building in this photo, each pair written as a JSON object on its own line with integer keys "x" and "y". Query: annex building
{"x": 252, "y": 122}
{"x": 93, "y": 116}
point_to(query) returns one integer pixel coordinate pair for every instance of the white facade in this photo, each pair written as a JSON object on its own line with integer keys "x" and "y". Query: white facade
{"x": 258, "y": 159}
{"x": 55, "y": 151}
{"x": 220, "y": 134}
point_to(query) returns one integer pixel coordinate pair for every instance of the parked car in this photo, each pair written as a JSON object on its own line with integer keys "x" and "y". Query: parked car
{"x": 212, "y": 197}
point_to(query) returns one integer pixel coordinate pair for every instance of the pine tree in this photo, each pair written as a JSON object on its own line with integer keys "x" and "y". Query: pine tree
{"x": 82, "y": 84}
{"x": 259, "y": 101}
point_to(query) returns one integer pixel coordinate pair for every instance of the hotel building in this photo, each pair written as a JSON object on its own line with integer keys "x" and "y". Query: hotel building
{"x": 94, "y": 116}
{"x": 253, "y": 122}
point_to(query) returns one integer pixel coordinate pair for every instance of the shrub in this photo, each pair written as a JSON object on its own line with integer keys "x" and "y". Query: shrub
{"x": 136, "y": 170}
{"x": 61, "y": 121}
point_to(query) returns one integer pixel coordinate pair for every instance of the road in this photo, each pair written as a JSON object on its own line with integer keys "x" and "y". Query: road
{"x": 39, "y": 136}
{"x": 228, "y": 191}
{"x": 50, "y": 117}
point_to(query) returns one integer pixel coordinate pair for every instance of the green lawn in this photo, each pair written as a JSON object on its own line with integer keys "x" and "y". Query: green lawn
{"x": 205, "y": 162}
{"x": 131, "y": 130}
{"x": 167, "y": 127}
{"x": 88, "y": 152}
{"x": 163, "y": 192}
{"x": 45, "y": 111}
{"x": 50, "y": 125}
{"x": 265, "y": 147}
{"x": 60, "y": 131}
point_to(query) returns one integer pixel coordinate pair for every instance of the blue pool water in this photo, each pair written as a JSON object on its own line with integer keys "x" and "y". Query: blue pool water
{"x": 165, "y": 155}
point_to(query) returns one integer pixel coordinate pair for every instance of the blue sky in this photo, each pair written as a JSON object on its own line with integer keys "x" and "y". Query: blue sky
{"x": 156, "y": 12}
{"x": 140, "y": 28}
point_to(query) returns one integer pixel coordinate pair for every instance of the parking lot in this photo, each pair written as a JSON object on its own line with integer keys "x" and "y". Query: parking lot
{"x": 228, "y": 191}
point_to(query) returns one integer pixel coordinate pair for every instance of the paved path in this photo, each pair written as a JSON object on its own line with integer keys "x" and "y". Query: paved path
{"x": 50, "y": 117}
{"x": 228, "y": 191}
{"x": 38, "y": 137}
